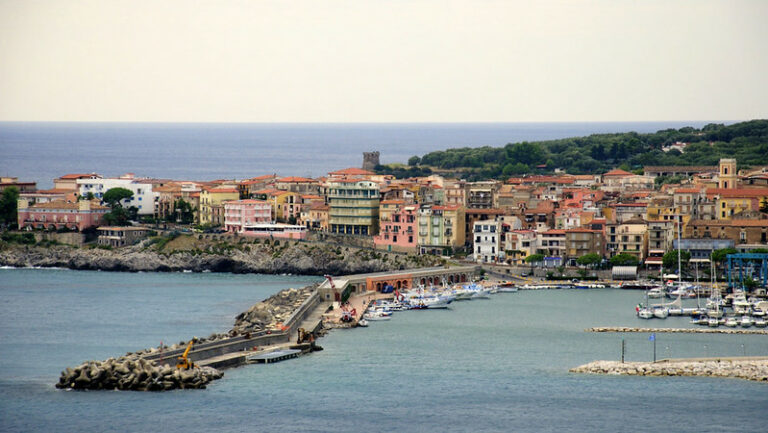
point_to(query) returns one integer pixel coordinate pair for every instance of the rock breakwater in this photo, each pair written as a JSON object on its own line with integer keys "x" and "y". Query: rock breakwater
{"x": 678, "y": 330}
{"x": 749, "y": 369}
{"x": 132, "y": 373}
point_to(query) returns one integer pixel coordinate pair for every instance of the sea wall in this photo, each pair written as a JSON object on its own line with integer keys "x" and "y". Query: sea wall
{"x": 749, "y": 369}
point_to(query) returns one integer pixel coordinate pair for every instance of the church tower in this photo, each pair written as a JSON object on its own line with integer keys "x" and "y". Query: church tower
{"x": 727, "y": 178}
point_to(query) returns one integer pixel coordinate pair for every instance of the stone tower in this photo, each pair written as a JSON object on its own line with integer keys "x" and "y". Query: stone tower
{"x": 370, "y": 160}
{"x": 727, "y": 178}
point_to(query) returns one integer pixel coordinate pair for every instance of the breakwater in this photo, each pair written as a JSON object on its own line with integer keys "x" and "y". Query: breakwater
{"x": 679, "y": 330}
{"x": 268, "y": 322}
{"x": 749, "y": 369}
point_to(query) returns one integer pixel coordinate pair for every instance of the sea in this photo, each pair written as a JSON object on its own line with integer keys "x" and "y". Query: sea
{"x": 41, "y": 151}
{"x": 496, "y": 365}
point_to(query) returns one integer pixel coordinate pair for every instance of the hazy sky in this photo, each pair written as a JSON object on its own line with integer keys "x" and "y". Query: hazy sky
{"x": 383, "y": 60}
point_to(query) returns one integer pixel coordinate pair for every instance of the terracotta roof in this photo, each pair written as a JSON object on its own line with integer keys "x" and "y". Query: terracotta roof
{"x": 352, "y": 171}
{"x": 267, "y": 191}
{"x": 392, "y": 202}
{"x": 246, "y": 201}
{"x": 295, "y": 179}
{"x": 618, "y": 172}
{"x": 77, "y": 176}
{"x": 582, "y": 230}
{"x": 741, "y": 192}
{"x": 221, "y": 190}
{"x": 688, "y": 168}
{"x": 486, "y": 211}
{"x": 554, "y": 232}
{"x": 311, "y": 196}
{"x": 732, "y": 223}
{"x": 61, "y": 204}
{"x": 687, "y": 190}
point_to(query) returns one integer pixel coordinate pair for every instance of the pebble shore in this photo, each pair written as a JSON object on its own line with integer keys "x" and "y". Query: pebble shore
{"x": 756, "y": 370}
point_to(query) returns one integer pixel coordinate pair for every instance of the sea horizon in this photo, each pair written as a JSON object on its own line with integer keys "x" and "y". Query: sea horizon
{"x": 40, "y": 151}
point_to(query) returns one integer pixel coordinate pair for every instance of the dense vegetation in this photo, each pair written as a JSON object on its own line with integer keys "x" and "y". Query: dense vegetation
{"x": 746, "y": 141}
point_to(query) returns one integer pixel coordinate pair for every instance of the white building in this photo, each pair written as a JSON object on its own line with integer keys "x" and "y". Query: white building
{"x": 487, "y": 240}
{"x": 143, "y": 197}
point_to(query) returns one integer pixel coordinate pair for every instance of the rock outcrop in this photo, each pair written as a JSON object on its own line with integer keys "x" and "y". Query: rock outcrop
{"x": 292, "y": 258}
{"x": 749, "y": 369}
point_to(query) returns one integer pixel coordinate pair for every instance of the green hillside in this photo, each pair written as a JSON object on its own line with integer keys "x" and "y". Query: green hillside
{"x": 598, "y": 153}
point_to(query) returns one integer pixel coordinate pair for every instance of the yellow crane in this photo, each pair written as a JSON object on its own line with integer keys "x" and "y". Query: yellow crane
{"x": 185, "y": 362}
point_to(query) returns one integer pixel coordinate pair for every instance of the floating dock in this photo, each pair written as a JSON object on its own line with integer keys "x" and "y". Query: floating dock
{"x": 272, "y": 357}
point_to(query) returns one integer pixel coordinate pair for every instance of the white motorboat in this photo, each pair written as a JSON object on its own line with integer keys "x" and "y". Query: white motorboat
{"x": 655, "y": 293}
{"x": 507, "y": 289}
{"x": 374, "y": 317}
{"x": 362, "y": 323}
{"x": 731, "y": 322}
{"x": 759, "y": 322}
{"x": 746, "y": 321}
{"x": 713, "y": 322}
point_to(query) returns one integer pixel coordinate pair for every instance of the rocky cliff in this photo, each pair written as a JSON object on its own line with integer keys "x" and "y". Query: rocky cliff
{"x": 189, "y": 253}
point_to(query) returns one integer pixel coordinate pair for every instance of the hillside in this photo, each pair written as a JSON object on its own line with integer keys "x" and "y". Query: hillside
{"x": 598, "y": 153}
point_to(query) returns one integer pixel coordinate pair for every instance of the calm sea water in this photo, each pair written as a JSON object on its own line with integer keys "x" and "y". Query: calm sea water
{"x": 496, "y": 365}
{"x": 43, "y": 151}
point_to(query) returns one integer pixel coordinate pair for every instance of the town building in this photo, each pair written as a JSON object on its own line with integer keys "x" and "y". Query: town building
{"x": 740, "y": 231}
{"x": 441, "y": 229}
{"x": 629, "y": 237}
{"x": 240, "y": 215}
{"x": 212, "y": 204}
{"x": 583, "y": 241}
{"x": 60, "y": 215}
{"x": 398, "y": 231}
{"x": 486, "y": 237}
{"x": 143, "y": 199}
{"x": 354, "y": 207}
{"x": 121, "y": 236}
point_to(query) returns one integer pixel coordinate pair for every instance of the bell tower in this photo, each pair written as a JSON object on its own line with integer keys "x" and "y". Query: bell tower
{"x": 727, "y": 178}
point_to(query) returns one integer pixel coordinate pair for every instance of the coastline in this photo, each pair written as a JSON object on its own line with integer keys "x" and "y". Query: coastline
{"x": 289, "y": 258}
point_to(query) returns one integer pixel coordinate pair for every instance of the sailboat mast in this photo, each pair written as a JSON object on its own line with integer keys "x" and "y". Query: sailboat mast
{"x": 679, "y": 251}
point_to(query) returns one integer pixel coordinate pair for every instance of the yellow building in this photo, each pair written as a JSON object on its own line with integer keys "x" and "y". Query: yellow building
{"x": 211, "y": 204}
{"x": 354, "y": 207}
{"x": 441, "y": 229}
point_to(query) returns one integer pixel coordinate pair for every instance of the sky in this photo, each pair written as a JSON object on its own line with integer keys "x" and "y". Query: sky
{"x": 383, "y": 60}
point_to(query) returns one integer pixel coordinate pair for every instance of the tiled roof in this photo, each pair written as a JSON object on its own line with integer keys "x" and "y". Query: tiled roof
{"x": 77, "y": 176}
{"x": 352, "y": 171}
{"x": 295, "y": 179}
{"x": 618, "y": 172}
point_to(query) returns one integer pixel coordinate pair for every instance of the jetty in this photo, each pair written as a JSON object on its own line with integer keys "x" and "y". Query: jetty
{"x": 679, "y": 330}
{"x": 282, "y": 327}
{"x": 748, "y": 368}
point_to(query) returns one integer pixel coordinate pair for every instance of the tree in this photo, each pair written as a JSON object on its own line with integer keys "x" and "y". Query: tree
{"x": 670, "y": 259}
{"x": 114, "y": 196}
{"x": 118, "y": 216}
{"x": 534, "y": 258}
{"x": 9, "y": 203}
{"x": 414, "y": 160}
{"x": 589, "y": 259}
{"x": 624, "y": 259}
{"x": 719, "y": 256}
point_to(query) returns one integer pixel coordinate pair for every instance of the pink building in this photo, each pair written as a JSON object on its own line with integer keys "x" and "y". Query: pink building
{"x": 60, "y": 214}
{"x": 239, "y": 215}
{"x": 399, "y": 231}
